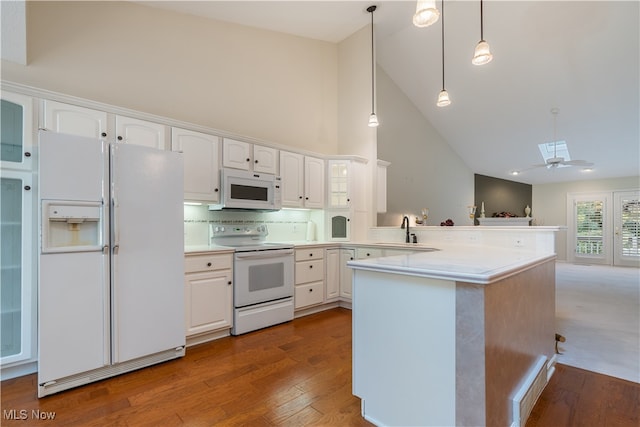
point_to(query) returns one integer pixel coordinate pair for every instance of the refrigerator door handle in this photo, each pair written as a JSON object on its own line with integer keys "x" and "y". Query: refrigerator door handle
{"x": 105, "y": 249}
{"x": 116, "y": 248}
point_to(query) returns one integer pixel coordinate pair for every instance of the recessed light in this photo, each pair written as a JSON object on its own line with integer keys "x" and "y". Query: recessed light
{"x": 514, "y": 173}
{"x": 587, "y": 170}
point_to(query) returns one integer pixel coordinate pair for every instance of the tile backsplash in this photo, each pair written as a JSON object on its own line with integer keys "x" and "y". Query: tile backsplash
{"x": 283, "y": 225}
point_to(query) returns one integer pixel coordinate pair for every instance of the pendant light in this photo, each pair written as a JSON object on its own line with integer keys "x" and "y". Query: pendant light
{"x": 426, "y": 13}
{"x": 443, "y": 96}
{"x": 373, "y": 119}
{"x": 482, "y": 55}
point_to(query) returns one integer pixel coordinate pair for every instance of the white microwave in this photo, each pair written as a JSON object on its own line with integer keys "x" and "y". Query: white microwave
{"x": 249, "y": 190}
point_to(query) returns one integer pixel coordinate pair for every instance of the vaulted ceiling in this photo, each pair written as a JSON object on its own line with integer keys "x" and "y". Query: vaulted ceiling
{"x": 581, "y": 57}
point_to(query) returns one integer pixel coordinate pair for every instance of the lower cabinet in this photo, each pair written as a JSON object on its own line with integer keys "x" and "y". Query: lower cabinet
{"x": 309, "y": 277}
{"x": 346, "y": 255}
{"x": 332, "y": 278}
{"x": 208, "y": 293}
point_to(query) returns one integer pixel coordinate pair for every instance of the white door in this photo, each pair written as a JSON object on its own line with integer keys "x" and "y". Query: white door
{"x": 589, "y": 228}
{"x": 292, "y": 174}
{"x": 265, "y": 159}
{"x": 332, "y": 279}
{"x": 236, "y": 154}
{"x": 74, "y": 120}
{"x": 313, "y": 182}
{"x": 626, "y": 217}
{"x": 73, "y": 309}
{"x": 201, "y": 154}
{"x": 140, "y": 132}
{"x": 148, "y": 251}
{"x": 346, "y": 274}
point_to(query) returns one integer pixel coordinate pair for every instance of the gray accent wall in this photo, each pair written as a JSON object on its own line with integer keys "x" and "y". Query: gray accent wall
{"x": 501, "y": 195}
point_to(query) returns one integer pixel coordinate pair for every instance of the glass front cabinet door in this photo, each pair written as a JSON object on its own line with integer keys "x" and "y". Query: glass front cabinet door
{"x": 17, "y": 245}
{"x": 16, "y": 207}
{"x": 16, "y": 143}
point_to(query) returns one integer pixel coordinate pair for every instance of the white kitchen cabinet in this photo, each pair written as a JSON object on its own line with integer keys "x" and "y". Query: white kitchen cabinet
{"x": 208, "y": 293}
{"x": 250, "y": 157}
{"x": 309, "y": 277}
{"x": 66, "y": 118}
{"x": 338, "y": 224}
{"x": 201, "y": 153}
{"x": 346, "y": 184}
{"x": 332, "y": 277}
{"x": 16, "y": 144}
{"x": 346, "y": 279}
{"x": 18, "y": 240}
{"x": 370, "y": 252}
{"x": 313, "y": 182}
{"x": 141, "y": 132}
{"x": 265, "y": 159}
{"x": 381, "y": 186}
{"x": 74, "y": 120}
{"x": 302, "y": 180}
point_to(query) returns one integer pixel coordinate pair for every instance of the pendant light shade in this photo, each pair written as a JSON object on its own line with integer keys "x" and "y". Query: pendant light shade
{"x": 443, "y": 96}
{"x": 426, "y": 13}
{"x": 373, "y": 119}
{"x": 482, "y": 55}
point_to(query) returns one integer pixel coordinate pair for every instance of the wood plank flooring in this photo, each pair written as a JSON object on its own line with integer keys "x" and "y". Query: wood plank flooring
{"x": 295, "y": 374}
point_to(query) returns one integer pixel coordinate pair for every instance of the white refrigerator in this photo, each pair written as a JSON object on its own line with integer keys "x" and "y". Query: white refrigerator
{"x": 111, "y": 264}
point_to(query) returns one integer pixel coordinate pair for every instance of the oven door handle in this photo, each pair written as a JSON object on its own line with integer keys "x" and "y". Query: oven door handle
{"x": 264, "y": 254}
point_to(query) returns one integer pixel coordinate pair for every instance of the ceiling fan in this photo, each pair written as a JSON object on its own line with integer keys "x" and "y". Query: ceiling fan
{"x": 557, "y": 161}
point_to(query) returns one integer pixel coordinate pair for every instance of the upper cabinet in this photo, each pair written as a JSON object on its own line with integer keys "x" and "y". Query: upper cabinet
{"x": 141, "y": 132}
{"x": 81, "y": 121}
{"x": 201, "y": 153}
{"x": 346, "y": 183}
{"x": 302, "y": 180}
{"x": 250, "y": 157}
{"x": 74, "y": 120}
{"x": 16, "y": 145}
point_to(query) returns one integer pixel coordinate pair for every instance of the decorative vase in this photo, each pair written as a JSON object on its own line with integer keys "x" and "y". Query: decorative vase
{"x": 527, "y": 211}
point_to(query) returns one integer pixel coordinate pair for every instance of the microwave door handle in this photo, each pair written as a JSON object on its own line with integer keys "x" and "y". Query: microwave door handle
{"x": 264, "y": 254}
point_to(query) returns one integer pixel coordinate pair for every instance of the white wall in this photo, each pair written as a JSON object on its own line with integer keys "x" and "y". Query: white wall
{"x": 549, "y": 202}
{"x": 424, "y": 172}
{"x": 261, "y": 84}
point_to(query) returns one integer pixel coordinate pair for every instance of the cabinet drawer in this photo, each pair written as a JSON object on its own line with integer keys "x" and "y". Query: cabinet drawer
{"x": 306, "y": 254}
{"x": 309, "y": 271}
{"x": 368, "y": 253}
{"x": 308, "y": 294}
{"x": 194, "y": 263}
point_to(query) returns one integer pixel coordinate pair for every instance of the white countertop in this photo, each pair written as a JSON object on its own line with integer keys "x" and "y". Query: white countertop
{"x": 473, "y": 264}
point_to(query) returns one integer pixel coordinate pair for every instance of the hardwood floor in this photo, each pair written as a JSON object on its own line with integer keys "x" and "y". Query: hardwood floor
{"x": 295, "y": 374}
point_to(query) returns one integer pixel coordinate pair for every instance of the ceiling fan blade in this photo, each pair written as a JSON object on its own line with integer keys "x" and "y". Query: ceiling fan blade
{"x": 577, "y": 163}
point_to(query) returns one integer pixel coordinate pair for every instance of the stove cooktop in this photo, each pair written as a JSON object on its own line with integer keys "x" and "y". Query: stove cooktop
{"x": 244, "y": 238}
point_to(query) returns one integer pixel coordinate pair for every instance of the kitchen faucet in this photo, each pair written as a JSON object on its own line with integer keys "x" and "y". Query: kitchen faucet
{"x": 406, "y": 219}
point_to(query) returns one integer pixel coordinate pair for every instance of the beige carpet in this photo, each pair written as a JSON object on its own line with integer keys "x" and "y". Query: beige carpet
{"x": 598, "y": 311}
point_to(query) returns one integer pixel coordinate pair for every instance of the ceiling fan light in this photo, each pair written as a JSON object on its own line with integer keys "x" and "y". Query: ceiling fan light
{"x": 373, "y": 120}
{"x": 443, "y": 98}
{"x": 426, "y": 13}
{"x": 482, "y": 55}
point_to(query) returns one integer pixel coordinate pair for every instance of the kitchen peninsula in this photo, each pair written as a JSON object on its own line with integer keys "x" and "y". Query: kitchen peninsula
{"x": 449, "y": 337}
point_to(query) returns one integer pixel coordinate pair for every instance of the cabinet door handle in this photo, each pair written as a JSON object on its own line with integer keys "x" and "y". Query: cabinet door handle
{"x": 256, "y": 161}
{"x": 311, "y": 266}
{"x": 27, "y": 187}
{"x": 299, "y": 197}
{"x": 119, "y": 138}
{"x": 208, "y": 264}
{"x": 103, "y": 134}
{"x": 311, "y": 290}
{"x": 306, "y": 198}
{"x": 351, "y": 258}
{"x": 216, "y": 190}
{"x": 229, "y": 282}
{"x": 311, "y": 254}
{"x": 27, "y": 154}
{"x": 248, "y": 160}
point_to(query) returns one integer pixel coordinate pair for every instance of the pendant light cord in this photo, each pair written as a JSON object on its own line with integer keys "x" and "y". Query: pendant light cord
{"x": 481, "y": 23}
{"x": 442, "y": 17}
{"x": 371, "y": 9}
